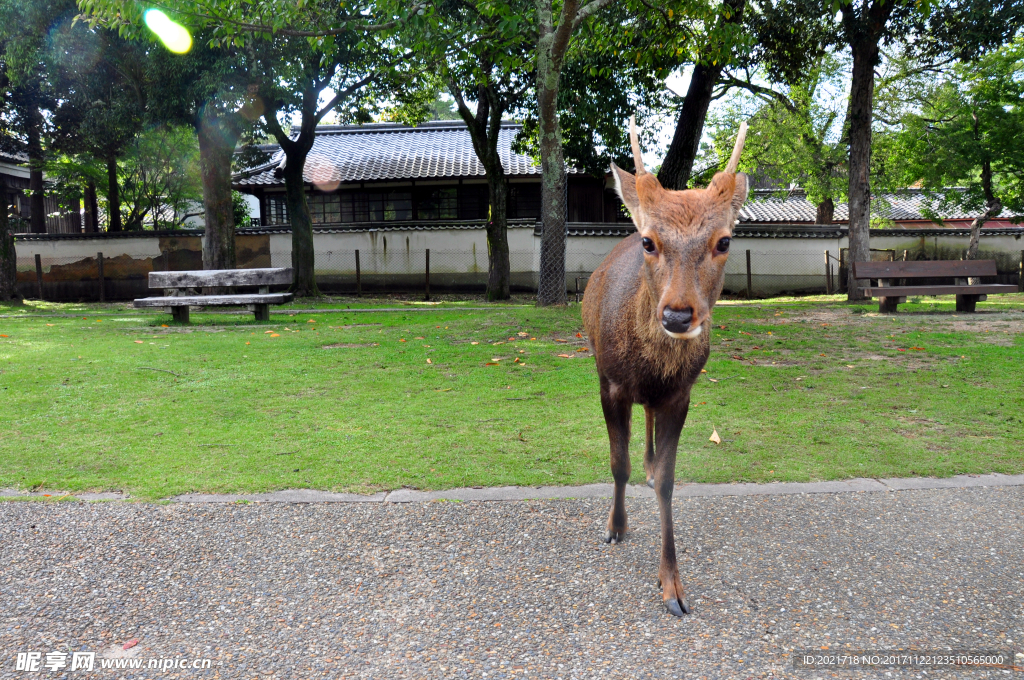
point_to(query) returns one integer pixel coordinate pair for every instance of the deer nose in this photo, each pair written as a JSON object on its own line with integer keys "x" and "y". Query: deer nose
{"x": 677, "y": 320}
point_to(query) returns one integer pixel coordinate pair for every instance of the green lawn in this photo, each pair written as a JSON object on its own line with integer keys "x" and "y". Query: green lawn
{"x": 806, "y": 389}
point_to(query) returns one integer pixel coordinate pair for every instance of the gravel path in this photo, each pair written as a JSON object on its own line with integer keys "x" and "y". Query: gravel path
{"x": 511, "y": 589}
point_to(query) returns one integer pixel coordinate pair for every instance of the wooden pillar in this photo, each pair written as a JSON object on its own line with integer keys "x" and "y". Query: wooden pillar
{"x": 426, "y": 281}
{"x": 750, "y": 289}
{"x": 99, "y": 264}
{"x": 39, "y": 276}
{"x": 167, "y": 260}
{"x": 359, "y": 280}
{"x": 828, "y": 275}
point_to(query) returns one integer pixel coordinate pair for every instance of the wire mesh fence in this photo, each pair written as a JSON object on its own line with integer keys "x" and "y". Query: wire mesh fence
{"x": 748, "y": 273}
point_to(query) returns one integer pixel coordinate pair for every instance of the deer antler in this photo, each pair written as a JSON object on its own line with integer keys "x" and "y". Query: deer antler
{"x": 737, "y": 150}
{"x": 734, "y": 160}
{"x": 637, "y": 158}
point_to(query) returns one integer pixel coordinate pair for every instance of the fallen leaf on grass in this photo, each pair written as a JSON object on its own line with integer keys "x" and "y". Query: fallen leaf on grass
{"x": 712, "y": 380}
{"x": 579, "y": 335}
{"x": 139, "y": 342}
{"x": 582, "y": 349}
{"x": 945, "y": 385}
{"x": 4, "y": 336}
{"x": 311, "y": 321}
{"x": 917, "y": 349}
{"x": 163, "y": 325}
{"x": 522, "y": 334}
{"x": 714, "y": 436}
{"x": 474, "y": 343}
{"x": 755, "y": 347}
{"x": 429, "y": 361}
{"x": 247, "y": 342}
{"x": 419, "y": 337}
{"x": 275, "y": 335}
{"x": 737, "y": 357}
{"x": 401, "y": 339}
{"x": 560, "y": 340}
{"x": 821, "y": 355}
{"x": 498, "y": 343}
{"x": 517, "y": 360}
{"x": 490, "y": 364}
{"x": 49, "y": 324}
{"x": 565, "y": 356}
{"x": 722, "y": 327}
{"x": 267, "y": 332}
{"x": 703, "y": 370}
{"x": 533, "y": 338}
{"x": 744, "y": 333}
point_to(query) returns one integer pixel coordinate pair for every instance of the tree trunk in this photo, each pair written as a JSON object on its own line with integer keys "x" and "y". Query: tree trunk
{"x": 498, "y": 265}
{"x": 217, "y": 139}
{"x": 993, "y": 206}
{"x": 92, "y": 209}
{"x": 551, "y": 280}
{"x": 8, "y": 255}
{"x": 863, "y": 28}
{"x": 113, "y": 197}
{"x": 862, "y": 90}
{"x": 303, "y": 258}
{"x": 678, "y": 164}
{"x": 826, "y": 211}
{"x": 37, "y": 202}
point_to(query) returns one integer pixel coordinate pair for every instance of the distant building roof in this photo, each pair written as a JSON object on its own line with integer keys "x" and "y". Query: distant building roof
{"x": 390, "y": 151}
{"x": 905, "y": 206}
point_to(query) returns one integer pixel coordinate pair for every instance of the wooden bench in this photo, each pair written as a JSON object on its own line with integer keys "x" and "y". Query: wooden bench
{"x": 890, "y": 293}
{"x": 177, "y": 300}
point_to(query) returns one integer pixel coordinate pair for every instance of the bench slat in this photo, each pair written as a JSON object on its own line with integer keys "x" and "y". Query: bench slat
{"x": 214, "y": 300}
{"x": 209, "y": 278}
{"x": 923, "y": 269}
{"x": 901, "y": 291}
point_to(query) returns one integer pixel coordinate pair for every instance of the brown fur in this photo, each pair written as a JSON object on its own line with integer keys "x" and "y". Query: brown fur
{"x": 637, "y": 361}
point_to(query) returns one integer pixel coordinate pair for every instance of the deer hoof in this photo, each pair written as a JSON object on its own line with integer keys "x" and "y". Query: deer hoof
{"x": 614, "y": 537}
{"x": 677, "y": 607}
{"x": 650, "y": 482}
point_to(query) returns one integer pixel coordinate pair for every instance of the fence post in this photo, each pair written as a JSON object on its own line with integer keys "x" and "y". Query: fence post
{"x": 426, "y": 295}
{"x": 99, "y": 264}
{"x": 39, "y": 276}
{"x": 359, "y": 281}
{"x": 842, "y": 272}
{"x": 577, "y": 289}
{"x": 828, "y": 275}
{"x": 1020, "y": 273}
{"x": 749, "y": 287}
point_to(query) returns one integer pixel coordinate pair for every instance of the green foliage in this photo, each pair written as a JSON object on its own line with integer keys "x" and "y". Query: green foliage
{"x": 947, "y": 125}
{"x": 796, "y": 137}
{"x": 240, "y": 208}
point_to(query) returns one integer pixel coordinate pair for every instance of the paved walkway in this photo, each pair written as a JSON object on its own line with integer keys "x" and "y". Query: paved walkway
{"x": 512, "y": 589}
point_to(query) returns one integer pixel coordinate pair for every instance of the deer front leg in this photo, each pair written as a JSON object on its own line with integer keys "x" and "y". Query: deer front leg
{"x": 669, "y": 420}
{"x": 617, "y": 414}
{"x": 649, "y": 445}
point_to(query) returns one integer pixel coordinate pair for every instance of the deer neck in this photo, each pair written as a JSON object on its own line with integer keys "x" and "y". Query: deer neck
{"x": 666, "y": 356}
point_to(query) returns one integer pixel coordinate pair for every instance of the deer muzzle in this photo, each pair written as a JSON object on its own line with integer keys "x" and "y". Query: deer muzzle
{"x": 678, "y": 322}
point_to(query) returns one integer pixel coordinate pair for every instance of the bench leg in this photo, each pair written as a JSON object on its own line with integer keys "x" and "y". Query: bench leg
{"x": 966, "y": 303}
{"x": 180, "y": 314}
{"x": 262, "y": 312}
{"x": 887, "y": 305}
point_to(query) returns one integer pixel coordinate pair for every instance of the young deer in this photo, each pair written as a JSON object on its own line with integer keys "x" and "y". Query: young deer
{"x": 647, "y": 310}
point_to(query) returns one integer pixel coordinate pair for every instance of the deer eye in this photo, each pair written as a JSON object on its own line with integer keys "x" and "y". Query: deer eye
{"x": 648, "y": 244}
{"x": 723, "y": 245}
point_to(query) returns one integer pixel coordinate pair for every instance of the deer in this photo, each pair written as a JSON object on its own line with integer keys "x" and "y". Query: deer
{"x": 647, "y": 314}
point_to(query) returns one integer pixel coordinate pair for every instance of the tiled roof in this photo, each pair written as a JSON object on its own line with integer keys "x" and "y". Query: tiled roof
{"x": 903, "y": 206}
{"x": 389, "y": 151}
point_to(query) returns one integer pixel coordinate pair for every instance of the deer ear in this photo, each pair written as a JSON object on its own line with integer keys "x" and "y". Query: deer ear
{"x": 625, "y": 187}
{"x": 739, "y": 194}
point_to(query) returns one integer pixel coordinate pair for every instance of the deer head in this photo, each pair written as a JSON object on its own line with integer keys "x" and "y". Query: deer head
{"x": 685, "y": 238}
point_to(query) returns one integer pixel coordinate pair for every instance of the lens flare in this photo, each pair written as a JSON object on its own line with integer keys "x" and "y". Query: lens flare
{"x": 173, "y": 35}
